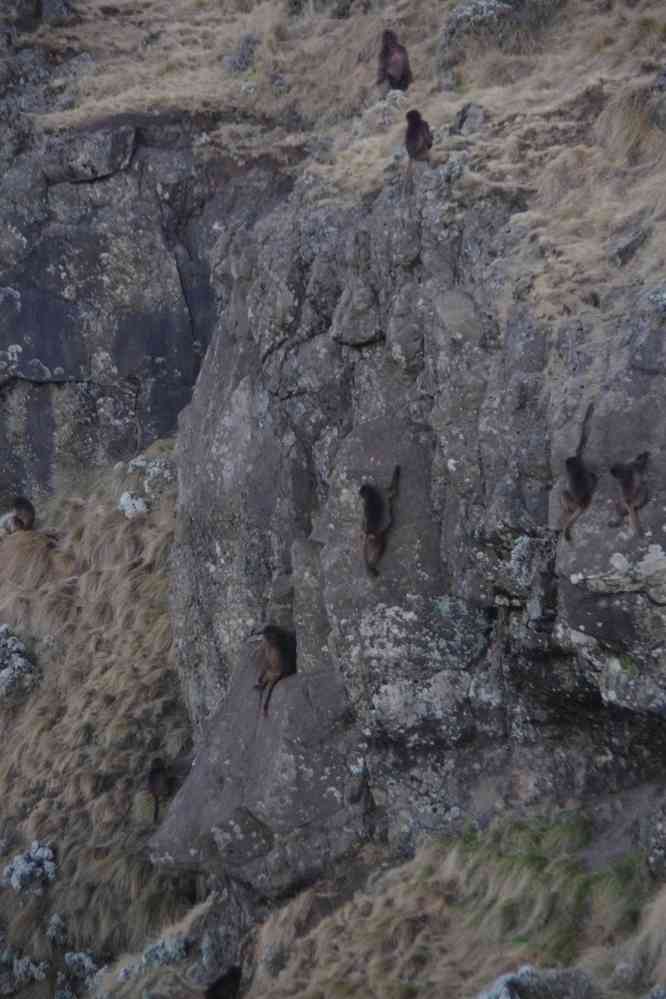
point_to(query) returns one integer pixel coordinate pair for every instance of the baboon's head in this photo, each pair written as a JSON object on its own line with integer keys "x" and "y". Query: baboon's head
{"x": 24, "y": 513}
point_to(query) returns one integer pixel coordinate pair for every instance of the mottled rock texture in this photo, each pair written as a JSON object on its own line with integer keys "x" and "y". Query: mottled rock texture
{"x": 491, "y": 664}
{"x": 529, "y": 983}
{"x": 290, "y": 787}
{"x": 506, "y": 24}
{"x": 106, "y": 300}
{"x": 18, "y": 673}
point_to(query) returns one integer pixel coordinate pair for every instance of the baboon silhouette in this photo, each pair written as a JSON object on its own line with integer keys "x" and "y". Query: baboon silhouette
{"x": 631, "y": 477}
{"x": 279, "y": 648}
{"x": 582, "y": 482}
{"x": 393, "y": 68}
{"x": 375, "y": 526}
{"x": 158, "y": 784}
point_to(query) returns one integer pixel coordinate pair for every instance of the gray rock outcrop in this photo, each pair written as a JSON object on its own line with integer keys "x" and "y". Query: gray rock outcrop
{"x": 491, "y": 664}
{"x": 291, "y": 787}
{"x": 530, "y": 983}
{"x": 18, "y": 673}
{"x": 106, "y": 302}
{"x": 502, "y": 23}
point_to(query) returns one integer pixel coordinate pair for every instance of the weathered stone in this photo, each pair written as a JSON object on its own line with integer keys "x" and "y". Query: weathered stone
{"x": 529, "y": 983}
{"x": 242, "y": 58}
{"x": 18, "y": 674}
{"x": 470, "y": 118}
{"x": 92, "y": 155}
{"x": 500, "y": 22}
{"x": 627, "y": 244}
{"x": 31, "y": 871}
{"x": 271, "y": 800}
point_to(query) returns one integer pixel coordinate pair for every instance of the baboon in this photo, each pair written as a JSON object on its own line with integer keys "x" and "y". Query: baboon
{"x": 418, "y": 138}
{"x": 631, "y": 477}
{"x": 158, "y": 784}
{"x": 21, "y": 517}
{"x": 375, "y": 528}
{"x": 227, "y": 986}
{"x": 279, "y": 650}
{"x": 393, "y": 69}
{"x": 582, "y": 482}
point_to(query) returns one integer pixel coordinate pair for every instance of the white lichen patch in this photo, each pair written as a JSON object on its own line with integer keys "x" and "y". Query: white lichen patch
{"x": 18, "y": 674}
{"x": 56, "y": 930}
{"x": 132, "y": 505}
{"x": 405, "y": 704}
{"x": 648, "y": 574}
{"x": 102, "y": 366}
{"x": 80, "y": 965}
{"x": 29, "y": 872}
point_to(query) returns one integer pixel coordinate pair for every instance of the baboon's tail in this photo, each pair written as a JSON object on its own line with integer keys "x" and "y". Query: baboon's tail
{"x": 585, "y": 430}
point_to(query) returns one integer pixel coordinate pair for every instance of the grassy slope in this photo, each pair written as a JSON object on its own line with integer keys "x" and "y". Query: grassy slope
{"x": 459, "y": 914}
{"x": 588, "y": 176}
{"x": 448, "y": 922}
{"x": 93, "y": 608}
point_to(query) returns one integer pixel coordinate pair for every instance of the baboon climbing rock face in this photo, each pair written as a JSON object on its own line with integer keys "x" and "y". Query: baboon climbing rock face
{"x": 377, "y": 520}
{"x": 418, "y": 137}
{"x": 279, "y": 654}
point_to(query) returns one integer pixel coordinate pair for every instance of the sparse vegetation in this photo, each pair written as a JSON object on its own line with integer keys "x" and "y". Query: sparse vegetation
{"x": 467, "y": 910}
{"x": 93, "y": 607}
{"x": 571, "y": 122}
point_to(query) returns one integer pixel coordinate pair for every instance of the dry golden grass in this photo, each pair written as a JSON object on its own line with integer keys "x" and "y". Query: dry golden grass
{"x": 569, "y": 120}
{"x": 171, "y": 980}
{"x": 93, "y": 608}
{"x": 460, "y": 914}
{"x": 166, "y": 55}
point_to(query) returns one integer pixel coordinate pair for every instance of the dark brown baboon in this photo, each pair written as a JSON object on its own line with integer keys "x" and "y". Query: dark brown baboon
{"x": 418, "y": 137}
{"x": 375, "y": 527}
{"x": 631, "y": 477}
{"x": 21, "y": 517}
{"x": 158, "y": 784}
{"x": 280, "y": 660}
{"x": 582, "y": 482}
{"x": 393, "y": 69}
{"x": 225, "y": 987}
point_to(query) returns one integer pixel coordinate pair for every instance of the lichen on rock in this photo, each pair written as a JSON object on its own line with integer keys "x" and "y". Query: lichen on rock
{"x": 18, "y": 673}
{"x": 31, "y": 872}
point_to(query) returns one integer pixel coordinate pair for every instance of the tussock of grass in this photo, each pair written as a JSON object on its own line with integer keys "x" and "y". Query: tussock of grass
{"x": 626, "y": 128}
{"x": 126, "y": 978}
{"x": 464, "y": 912}
{"x": 92, "y": 605}
{"x": 313, "y": 78}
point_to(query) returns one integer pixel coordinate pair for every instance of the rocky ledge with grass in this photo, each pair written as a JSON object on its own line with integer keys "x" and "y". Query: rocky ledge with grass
{"x": 455, "y": 323}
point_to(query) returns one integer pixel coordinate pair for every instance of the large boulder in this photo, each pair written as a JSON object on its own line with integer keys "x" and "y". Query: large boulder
{"x": 491, "y": 663}
{"x": 270, "y": 800}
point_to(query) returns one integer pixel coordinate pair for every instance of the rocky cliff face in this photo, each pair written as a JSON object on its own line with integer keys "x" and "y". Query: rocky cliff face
{"x": 106, "y": 304}
{"x": 491, "y": 665}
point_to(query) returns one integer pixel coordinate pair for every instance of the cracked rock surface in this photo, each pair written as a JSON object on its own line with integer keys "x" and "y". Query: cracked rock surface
{"x": 491, "y": 664}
